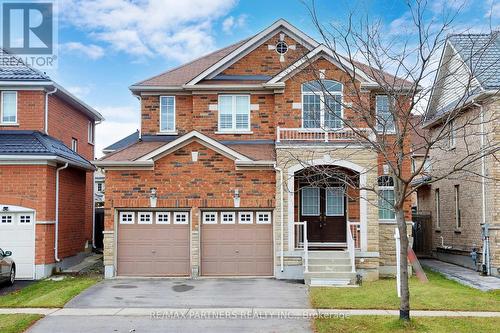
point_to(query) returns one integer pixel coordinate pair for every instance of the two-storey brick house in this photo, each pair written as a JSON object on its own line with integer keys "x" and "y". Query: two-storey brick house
{"x": 465, "y": 102}
{"x": 46, "y": 187}
{"x": 213, "y": 185}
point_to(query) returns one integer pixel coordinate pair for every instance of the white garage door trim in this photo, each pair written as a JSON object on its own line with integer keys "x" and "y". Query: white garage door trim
{"x": 10, "y": 237}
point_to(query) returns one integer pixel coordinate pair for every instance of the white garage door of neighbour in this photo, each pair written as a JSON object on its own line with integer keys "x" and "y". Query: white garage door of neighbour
{"x": 17, "y": 234}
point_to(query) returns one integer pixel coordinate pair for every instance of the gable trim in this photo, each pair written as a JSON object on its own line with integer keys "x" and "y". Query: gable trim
{"x": 310, "y": 57}
{"x": 187, "y": 139}
{"x": 251, "y": 45}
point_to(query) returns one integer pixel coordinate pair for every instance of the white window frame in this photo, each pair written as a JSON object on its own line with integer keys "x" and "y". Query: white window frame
{"x": 74, "y": 145}
{"x": 336, "y": 188}
{"x": 28, "y": 219}
{"x": 101, "y": 185}
{"x": 163, "y": 214}
{"x": 383, "y": 127}
{"x": 175, "y": 118}
{"x": 268, "y": 217}
{"x": 232, "y": 214}
{"x": 1, "y": 108}
{"x": 233, "y": 128}
{"x": 177, "y": 214}
{"x": 322, "y": 106}
{"x": 90, "y": 132}
{"x": 240, "y": 214}
{"x": 141, "y": 214}
{"x": 122, "y": 214}
{"x": 458, "y": 217}
{"x": 385, "y": 188}
{"x": 437, "y": 207}
{"x": 206, "y": 214}
{"x": 302, "y": 201}
{"x": 12, "y": 219}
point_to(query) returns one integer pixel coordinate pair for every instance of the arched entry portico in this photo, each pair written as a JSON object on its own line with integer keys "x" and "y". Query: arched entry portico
{"x": 296, "y": 170}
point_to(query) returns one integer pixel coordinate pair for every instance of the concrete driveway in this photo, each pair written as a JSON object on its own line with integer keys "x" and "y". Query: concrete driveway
{"x": 125, "y": 305}
{"x": 200, "y": 293}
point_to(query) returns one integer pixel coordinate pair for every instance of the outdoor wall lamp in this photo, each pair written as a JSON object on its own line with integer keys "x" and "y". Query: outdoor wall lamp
{"x": 236, "y": 198}
{"x": 153, "y": 198}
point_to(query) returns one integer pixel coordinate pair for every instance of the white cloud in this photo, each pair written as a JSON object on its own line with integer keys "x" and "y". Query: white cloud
{"x": 91, "y": 50}
{"x": 120, "y": 114}
{"x": 493, "y": 9}
{"x": 231, "y": 23}
{"x": 80, "y": 91}
{"x": 178, "y": 30}
{"x": 109, "y": 132}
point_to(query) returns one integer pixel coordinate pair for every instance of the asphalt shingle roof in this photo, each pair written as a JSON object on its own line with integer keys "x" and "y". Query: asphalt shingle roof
{"x": 122, "y": 143}
{"x": 38, "y": 144}
{"x": 481, "y": 53}
{"x": 13, "y": 69}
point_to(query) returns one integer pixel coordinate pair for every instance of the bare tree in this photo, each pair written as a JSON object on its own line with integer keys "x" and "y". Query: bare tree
{"x": 412, "y": 58}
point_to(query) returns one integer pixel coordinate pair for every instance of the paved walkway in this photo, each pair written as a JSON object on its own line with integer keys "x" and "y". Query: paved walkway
{"x": 462, "y": 275}
{"x": 234, "y": 313}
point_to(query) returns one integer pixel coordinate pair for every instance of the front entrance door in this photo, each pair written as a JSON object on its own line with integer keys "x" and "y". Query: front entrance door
{"x": 324, "y": 209}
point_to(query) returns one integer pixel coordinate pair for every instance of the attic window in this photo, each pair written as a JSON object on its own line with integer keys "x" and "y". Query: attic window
{"x": 281, "y": 47}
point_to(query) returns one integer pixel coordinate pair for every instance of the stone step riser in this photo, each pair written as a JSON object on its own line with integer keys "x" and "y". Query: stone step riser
{"x": 330, "y": 275}
{"x": 327, "y": 262}
{"x": 330, "y": 268}
{"x": 328, "y": 254}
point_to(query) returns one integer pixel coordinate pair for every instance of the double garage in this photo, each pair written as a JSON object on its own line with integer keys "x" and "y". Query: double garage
{"x": 159, "y": 243}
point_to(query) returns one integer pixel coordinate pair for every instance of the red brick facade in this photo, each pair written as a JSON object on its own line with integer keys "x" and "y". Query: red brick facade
{"x": 33, "y": 186}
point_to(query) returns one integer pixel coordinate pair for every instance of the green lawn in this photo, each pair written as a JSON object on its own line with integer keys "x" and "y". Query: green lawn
{"x": 438, "y": 294}
{"x": 47, "y": 293}
{"x": 381, "y": 324}
{"x": 17, "y": 323}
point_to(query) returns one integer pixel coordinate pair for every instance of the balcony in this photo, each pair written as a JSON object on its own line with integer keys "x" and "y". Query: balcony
{"x": 319, "y": 135}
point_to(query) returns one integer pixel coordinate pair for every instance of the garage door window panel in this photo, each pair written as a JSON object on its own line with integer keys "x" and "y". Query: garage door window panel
{"x": 228, "y": 218}
{"x": 181, "y": 218}
{"x": 264, "y": 218}
{"x": 162, "y": 218}
{"x": 209, "y": 217}
{"x": 245, "y": 218}
{"x": 6, "y": 219}
{"x": 127, "y": 218}
{"x": 145, "y": 218}
{"x": 25, "y": 219}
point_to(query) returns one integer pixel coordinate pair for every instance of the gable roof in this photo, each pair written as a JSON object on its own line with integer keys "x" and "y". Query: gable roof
{"x": 481, "y": 53}
{"x": 184, "y": 73}
{"x": 14, "y": 72}
{"x": 194, "y": 136}
{"x": 16, "y": 145}
{"x": 122, "y": 143}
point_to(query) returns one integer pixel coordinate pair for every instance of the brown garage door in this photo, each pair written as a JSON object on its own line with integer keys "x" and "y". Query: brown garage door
{"x": 236, "y": 244}
{"x": 153, "y": 244}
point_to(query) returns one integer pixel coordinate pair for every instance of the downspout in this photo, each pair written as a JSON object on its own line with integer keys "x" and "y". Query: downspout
{"x": 46, "y": 129}
{"x": 56, "y": 236}
{"x": 486, "y": 254}
{"x": 281, "y": 217}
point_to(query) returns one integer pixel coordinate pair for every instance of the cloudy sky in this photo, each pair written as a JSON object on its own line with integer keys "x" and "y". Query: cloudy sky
{"x": 107, "y": 45}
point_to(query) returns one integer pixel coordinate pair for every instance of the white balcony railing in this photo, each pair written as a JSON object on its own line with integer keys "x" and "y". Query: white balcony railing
{"x": 351, "y": 250}
{"x": 323, "y": 135}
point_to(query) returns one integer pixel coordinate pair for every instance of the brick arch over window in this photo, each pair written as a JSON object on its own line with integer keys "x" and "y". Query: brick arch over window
{"x": 327, "y": 160}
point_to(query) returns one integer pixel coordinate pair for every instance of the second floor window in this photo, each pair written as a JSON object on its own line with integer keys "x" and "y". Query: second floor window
{"x": 91, "y": 132}
{"x": 458, "y": 218}
{"x": 167, "y": 113}
{"x": 74, "y": 145}
{"x": 385, "y": 119}
{"x": 322, "y": 104}
{"x": 234, "y": 113}
{"x": 9, "y": 107}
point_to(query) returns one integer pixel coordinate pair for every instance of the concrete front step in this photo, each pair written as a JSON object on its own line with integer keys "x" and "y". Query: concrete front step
{"x": 323, "y": 261}
{"x": 330, "y": 268}
{"x": 328, "y": 254}
{"x": 314, "y": 278}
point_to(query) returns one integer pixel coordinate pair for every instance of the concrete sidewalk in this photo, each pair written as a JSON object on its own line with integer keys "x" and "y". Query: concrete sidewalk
{"x": 462, "y": 275}
{"x": 235, "y": 313}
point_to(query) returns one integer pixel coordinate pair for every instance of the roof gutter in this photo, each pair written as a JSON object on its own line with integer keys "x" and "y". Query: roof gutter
{"x": 124, "y": 165}
{"x": 36, "y": 158}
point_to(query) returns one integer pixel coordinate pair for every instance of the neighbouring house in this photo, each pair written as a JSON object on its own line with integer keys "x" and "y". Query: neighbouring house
{"x": 46, "y": 187}
{"x": 212, "y": 186}
{"x": 463, "y": 204}
{"x": 418, "y": 153}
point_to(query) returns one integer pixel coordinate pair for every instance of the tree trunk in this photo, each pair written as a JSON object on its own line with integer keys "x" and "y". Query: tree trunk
{"x": 404, "y": 307}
